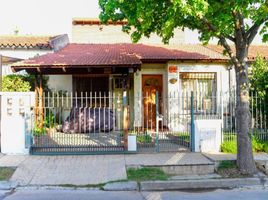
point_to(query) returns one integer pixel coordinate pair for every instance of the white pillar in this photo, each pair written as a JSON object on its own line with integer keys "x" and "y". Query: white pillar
{"x": 16, "y": 122}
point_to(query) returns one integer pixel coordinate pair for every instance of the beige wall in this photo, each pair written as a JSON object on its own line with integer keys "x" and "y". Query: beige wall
{"x": 114, "y": 34}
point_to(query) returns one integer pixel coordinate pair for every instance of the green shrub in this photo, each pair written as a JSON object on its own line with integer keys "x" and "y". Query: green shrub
{"x": 229, "y": 147}
{"x": 265, "y": 147}
{"x": 15, "y": 83}
{"x": 257, "y": 146}
{"x": 144, "y": 138}
{"x": 49, "y": 120}
{"x": 22, "y": 83}
{"x": 37, "y": 131}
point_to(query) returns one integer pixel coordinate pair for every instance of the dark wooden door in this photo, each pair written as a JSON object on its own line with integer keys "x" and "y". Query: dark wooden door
{"x": 150, "y": 85}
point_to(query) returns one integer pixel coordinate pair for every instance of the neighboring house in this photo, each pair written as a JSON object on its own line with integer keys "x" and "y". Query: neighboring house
{"x": 19, "y": 47}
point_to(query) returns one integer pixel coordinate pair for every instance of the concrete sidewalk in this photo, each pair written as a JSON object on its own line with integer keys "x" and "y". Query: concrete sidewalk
{"x": 95, "y": 169}
{"x": 88, "y": 169}
{"x": 60, "y": 170}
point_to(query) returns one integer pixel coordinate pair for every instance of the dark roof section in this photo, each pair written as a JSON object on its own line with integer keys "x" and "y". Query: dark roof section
{"x": 28, "y": 41}
{"x": 95, "y": 21}
{"x": 254, "y": 51}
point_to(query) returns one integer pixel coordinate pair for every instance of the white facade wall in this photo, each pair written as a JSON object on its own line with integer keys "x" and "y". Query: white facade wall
{"x": 169, "y": 107}
{"x": 113, "y": 34}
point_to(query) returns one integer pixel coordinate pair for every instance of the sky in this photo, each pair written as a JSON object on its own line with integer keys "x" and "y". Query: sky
{"x": 51, "y": 17}
{"x": 45, "y": 17}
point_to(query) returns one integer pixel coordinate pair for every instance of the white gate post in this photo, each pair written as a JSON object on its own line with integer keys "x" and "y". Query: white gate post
{"x": 15, "y": 121}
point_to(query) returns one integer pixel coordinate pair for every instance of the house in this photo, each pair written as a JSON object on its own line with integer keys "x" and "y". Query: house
{"x": 14, "y": 48}
{"x": 104, "y": 87}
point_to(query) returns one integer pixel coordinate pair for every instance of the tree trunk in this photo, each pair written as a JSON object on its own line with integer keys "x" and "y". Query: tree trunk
{"x": 245, "y": 160}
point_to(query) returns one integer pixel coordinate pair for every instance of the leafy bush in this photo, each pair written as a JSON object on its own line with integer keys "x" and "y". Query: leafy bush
{"x": 49, "y": 120}
{"x": 15, "y": 83}
{"x": 257, "y": 146}
{"x": 38, "y": 131}
{"x": 265, "y": 147}
{"x": 144, "y": 138}
{"x": 229, "y": 147}
{"x": 22, "y": 83}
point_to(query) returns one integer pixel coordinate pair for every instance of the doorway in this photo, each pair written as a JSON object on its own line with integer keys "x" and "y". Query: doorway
{"x": 151, "y": 84}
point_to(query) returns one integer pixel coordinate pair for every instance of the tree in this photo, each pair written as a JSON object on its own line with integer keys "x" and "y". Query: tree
{"x": 230, "y": 21}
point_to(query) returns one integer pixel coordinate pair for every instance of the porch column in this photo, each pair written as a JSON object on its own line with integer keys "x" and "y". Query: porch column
{"x": 126, "y": 113}
{"x": 39, "y": 101}
{"x": 36, "y": 94}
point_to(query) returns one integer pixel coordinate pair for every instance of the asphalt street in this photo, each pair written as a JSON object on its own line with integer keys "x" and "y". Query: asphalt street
{"x": 86, "y": 194}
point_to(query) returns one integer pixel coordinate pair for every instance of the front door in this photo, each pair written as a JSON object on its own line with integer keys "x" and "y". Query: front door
{"x": 150, "y": 85}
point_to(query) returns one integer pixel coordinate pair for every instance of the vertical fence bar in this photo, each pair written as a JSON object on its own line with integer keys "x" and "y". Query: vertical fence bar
{"x": 157, "y": 120}
{"x": 192, "y": 123}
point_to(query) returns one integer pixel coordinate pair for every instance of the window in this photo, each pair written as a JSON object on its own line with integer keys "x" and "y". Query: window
{"x": 204, "y": 87}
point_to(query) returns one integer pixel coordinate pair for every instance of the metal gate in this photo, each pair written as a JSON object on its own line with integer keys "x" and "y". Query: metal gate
{"x": 174, "y": 120}
{"x": 78, "y": 124}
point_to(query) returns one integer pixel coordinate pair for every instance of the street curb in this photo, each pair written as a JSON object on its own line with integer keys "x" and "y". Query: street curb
{"x": 202, "y": 184}
{"x": 121, "y": 186}
{"x": 8, "y": 185}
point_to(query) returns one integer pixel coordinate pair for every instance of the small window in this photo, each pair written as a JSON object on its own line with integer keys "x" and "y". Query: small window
{"x": 204, "y": 86}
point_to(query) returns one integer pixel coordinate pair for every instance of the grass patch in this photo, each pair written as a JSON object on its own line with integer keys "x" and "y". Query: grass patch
{"x": 226, "y": 164}
{"x": 146, "y": 174}
{"x": 100, "y": 186}
{"x": 6, "y": 173}
{"x": 228, "y": 169}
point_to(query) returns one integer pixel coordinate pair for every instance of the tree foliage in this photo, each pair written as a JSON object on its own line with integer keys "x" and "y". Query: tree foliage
{"x": 21, "y": 83}
{"x": 213, "y": 18}
{"x": 259, "y": 77}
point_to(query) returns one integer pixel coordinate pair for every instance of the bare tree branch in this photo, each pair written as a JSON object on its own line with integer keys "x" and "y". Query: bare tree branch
{"x": 252, "y": 32}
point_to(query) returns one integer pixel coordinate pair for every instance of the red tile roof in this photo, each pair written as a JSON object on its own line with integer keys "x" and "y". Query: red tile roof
{"x": 26, "y": 41}
{"x": 115, "y": 55}
{"x": 254, "y": 50}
